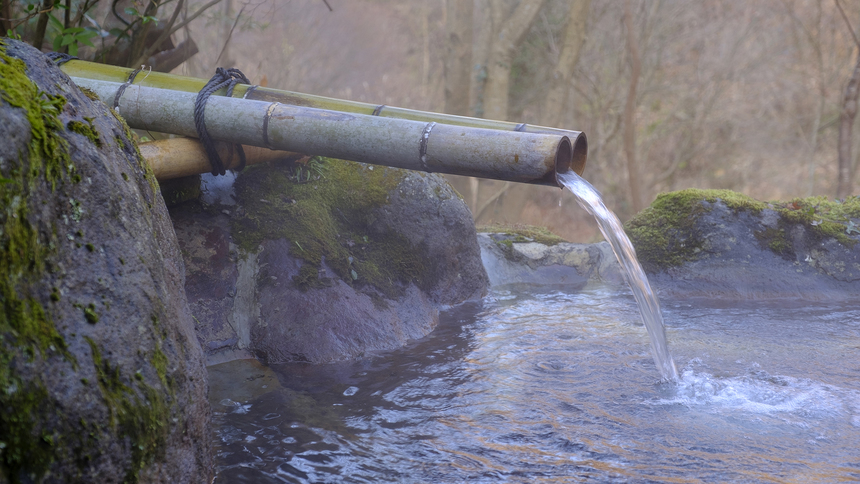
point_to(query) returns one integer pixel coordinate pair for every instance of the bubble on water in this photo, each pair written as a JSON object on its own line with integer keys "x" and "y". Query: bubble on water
{"x": 350, "y": 391}
{"x": 242, "y": 409}
{"x": 235, "y": 407}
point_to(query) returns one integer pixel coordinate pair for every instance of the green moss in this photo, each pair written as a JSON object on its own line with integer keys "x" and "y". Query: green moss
{"x": 825, "y": 218}
{"x": 27, "y": 333}
{"x": 665, "y": 234}
{"x": 22, "y": 253}
{"x": 159, "y": 362}
{"x": 25, "y": 449}
{"x": 775, "y": 239}
{"x": 140, "y": 415}
{"x": 128, "y": 141}
{"x": 86, "y": 129}
{"x": 308, "y": 278}
{"x": 90, "y": 314}
{"x": 90, "y": 94}
{"x": 48, "y": 154}
{"x": 328, "y": 219}
{"x": 178, "y": 190}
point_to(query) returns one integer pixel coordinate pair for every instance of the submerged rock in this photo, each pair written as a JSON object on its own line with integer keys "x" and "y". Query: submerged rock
{"x": 324, "y": 260}
{"x": 101, "y": 376}
{"x": 718, "y": 242}
{"x": 512, "y": 258}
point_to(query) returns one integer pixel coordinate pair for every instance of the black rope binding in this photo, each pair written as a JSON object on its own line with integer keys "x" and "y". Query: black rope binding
{"x": 223, "y": 78}
{"x": 60, "y": 58}
{"x": 122, "y": 87}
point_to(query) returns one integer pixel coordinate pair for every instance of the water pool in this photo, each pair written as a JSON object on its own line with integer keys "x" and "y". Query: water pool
{"x": 551, "y": 386}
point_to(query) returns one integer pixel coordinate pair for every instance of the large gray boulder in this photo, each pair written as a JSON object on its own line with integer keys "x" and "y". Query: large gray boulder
{"x": 722, "y": 243}
{"x": 101, "y": 376}
{"x": 324, "y": 260}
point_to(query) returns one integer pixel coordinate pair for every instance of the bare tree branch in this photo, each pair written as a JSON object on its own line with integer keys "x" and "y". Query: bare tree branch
{"x": 847, "y": 22}
{"x": 846, "y": 125}
{"x": 230, "y": 34}
{"x": 492, "y": 199}
{"x": 507, "y": 35}
{"x": 556, "y": 99}
{"x": 194, "y": 15}
{"x": 147, "y": 53}
{"x": 634, "y": 179}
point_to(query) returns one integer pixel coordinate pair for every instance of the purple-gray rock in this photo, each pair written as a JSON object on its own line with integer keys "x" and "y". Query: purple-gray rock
{"x": 320, "y": 261}
{"x": 722, "y": 243}
{"x": 101, "y": 376}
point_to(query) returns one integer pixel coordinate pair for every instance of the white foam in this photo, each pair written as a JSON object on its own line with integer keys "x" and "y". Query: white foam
{"x": 759, "y": 393}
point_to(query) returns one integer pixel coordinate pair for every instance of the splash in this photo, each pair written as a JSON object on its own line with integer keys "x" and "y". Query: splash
{"x": 649, "y": 307}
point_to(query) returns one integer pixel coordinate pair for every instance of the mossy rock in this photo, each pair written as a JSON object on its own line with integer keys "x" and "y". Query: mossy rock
{"x": 327, "y": 217}
{"x": 319, "y": 260}
{"x": 667, "y": 234}
{"x": 100, "y": 376}
{"x": 689, "y": 234}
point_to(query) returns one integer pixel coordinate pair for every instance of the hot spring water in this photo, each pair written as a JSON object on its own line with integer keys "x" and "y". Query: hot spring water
{"x": 550, "y": 386}
{"x": 649, "y": 306}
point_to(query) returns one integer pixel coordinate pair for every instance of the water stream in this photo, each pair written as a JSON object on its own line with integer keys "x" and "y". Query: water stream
{"x": 649, "y": 306}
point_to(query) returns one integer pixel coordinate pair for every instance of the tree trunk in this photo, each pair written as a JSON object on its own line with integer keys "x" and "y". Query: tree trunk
{"x": 846, "y": 125}
{"x": 167, "y": 60}
{"x": 42, "y": 24}
{"x": 6, "y": 14}
{"x": 481, "y": 41}
{"x": 227, "y": 26}
{"x": 425, "y": 51}
{"x": 507, "y": 36}
{"x": 458, "y": 55}
{"x": 139, "y": 37}
{"x": 556, "y": 99}
{"x": 630, "y": 110}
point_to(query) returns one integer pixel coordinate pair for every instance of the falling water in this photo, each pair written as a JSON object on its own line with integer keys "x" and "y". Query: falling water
{"x": 649, "y": 307}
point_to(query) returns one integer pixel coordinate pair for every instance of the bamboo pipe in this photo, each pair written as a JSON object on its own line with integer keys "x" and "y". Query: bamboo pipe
{"x": 178, "y": 157}
{"x": 103, "y": 72}
{"x": 415, "y": 145}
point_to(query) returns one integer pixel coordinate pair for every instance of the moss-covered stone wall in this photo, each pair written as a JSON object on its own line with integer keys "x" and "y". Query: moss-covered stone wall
{"x": 667, "y": 234}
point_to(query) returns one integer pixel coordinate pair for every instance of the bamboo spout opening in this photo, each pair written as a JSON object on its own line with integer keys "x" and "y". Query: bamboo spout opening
{"x": 571, "y": 156}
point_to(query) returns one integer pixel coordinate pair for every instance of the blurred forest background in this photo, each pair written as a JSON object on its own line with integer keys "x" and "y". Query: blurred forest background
{"x": 757, "y": 97}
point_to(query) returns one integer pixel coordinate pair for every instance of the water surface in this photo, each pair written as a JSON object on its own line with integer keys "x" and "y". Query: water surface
{"x": 559, "y": 387}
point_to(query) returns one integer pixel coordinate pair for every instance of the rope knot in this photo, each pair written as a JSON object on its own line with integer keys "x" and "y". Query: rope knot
{"x": 223, "y": 78}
